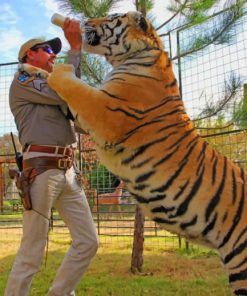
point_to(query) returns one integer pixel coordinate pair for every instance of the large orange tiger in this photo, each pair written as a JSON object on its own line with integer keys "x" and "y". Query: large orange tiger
{"x": 144, "y": 136}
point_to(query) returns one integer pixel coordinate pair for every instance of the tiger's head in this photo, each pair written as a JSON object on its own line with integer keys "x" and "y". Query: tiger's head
{"x": 119, "y": 36}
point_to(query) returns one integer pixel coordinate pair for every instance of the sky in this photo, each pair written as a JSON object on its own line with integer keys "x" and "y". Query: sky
{"x": 21, "y": 20}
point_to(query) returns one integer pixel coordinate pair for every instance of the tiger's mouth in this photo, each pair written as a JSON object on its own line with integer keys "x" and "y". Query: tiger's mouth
{"x": 91, "y": 37}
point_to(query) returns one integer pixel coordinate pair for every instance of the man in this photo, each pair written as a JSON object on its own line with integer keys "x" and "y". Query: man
{"x": 46, "y": 136}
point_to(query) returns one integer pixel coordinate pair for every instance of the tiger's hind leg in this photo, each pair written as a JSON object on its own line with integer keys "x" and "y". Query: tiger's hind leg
{"x": 235, "y": 263}
{"x": 238, "y": 283}
{"x": 241, "y": 292}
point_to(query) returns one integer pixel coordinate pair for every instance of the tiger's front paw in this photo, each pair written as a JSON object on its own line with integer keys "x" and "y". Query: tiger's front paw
{"x": 60, "y": 74}
{"x": 33, "y": 71}
{"x": 63, "y": 68}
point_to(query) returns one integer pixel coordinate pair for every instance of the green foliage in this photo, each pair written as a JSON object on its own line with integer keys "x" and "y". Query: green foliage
{"x": 144, "y": 6}
{"x": 232, "y": 87}
{"x": 240, "y": 114}
{"x": 195, "y": 251}
{"x": 193, "y": 11}
{"x": 102, "y": 179}
{"x": 6, "y": 144}
{"x": 89, "y": 8}
{"x": 11, "y": 202}
{"x": 222, "y": 28}
{"x": 94, "y": 69}
{"x": 217, "y": 124}
{"x": 190, "y": 13}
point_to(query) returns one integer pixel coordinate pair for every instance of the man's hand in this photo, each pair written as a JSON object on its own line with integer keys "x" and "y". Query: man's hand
{"x": 72, "y": 32}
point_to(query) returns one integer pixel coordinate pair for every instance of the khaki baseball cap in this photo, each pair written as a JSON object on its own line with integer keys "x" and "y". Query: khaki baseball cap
{"x": 55, "y": 44}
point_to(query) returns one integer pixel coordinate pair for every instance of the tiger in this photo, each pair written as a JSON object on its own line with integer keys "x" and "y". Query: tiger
{"x": 144, "y": 135}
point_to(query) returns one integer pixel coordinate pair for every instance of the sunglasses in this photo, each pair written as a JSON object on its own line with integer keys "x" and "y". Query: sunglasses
{"x": 46, "y": 48}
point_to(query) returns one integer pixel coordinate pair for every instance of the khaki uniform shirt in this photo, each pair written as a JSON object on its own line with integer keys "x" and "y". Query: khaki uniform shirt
{"x": 39, "y": 112}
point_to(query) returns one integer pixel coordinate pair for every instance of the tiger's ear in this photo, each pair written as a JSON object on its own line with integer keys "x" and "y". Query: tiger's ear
{"x": 140, "y": 20}
{"x": 142, "y": 23}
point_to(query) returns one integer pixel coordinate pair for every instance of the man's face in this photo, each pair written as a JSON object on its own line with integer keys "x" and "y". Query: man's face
{"x": 42, "y": 57}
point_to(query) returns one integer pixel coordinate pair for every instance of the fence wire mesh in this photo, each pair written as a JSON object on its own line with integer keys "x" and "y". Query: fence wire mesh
{"x": 213, "y": 85}
{"x": 208, "y": 75}
{"x": 206, "y": 78}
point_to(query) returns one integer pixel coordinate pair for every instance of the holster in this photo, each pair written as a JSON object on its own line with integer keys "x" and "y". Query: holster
{"x": 23, "y": 184}
{"x": 33, "y": 167}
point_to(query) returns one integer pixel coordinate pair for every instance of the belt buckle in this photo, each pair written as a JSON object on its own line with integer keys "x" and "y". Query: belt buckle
{"x": 62, "y": 164}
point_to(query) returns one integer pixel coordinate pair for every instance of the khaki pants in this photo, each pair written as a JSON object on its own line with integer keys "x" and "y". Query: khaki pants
{"x": 59, "y": 189}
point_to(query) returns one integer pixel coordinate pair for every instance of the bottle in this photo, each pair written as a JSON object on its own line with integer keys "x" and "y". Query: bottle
{"x": 58, "y": 20}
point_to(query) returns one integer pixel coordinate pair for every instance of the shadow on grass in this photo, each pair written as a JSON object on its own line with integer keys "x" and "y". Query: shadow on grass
{"x": 167, "y": 274}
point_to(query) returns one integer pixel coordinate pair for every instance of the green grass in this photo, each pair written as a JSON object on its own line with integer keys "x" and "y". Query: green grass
{"x": 10, "y": 217}
{"x": 165, "y": 272}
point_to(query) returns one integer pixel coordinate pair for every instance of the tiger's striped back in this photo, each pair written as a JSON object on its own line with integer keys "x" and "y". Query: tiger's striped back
{"x": 144, "y": 136}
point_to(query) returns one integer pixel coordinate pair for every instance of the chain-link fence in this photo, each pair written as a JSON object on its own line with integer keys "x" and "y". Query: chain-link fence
{"x": 213, "y": 84}
{"x": 213, "y": 87}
